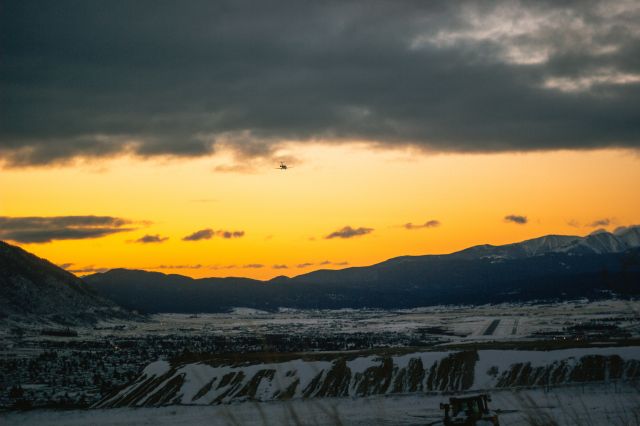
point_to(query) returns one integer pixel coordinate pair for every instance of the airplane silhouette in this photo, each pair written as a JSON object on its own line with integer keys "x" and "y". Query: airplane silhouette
{"x": 283, "y": 166}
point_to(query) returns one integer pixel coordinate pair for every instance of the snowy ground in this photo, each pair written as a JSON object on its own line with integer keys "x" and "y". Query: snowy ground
{"x": 459, "y": 323}
{"x": 589, "y": 405}
{"x": 117, "y": 351}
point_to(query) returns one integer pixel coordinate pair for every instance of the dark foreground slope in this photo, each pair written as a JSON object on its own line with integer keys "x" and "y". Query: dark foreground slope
{"x": 31, "y": 287}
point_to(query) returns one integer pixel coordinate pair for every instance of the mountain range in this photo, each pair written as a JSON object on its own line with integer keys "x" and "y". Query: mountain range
{"x": 549, "y": 267}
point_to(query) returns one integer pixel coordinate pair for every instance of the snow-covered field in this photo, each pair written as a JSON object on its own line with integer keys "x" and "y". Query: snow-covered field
{"x": 458, "y": 323}
{"x": 82, "y": 370}
{"x": 589, "y": 405}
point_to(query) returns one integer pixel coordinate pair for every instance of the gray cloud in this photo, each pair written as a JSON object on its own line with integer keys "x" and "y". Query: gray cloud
{"x": 280, "y": 267}
{"x": 42, "y": 229}
{"x": 600, "y": 222}
{"x": 86, "y": 270}
{"x": 195, "y": 266}
{"x": 230, "y": 234}
{"x": 203, "y": 234}
{"x": 428, "y": 224}
{"x": 328, "y": 262}
{"x": 147, "y": 239}
{"x": 207, "y": 234}
{"x": 189, "y": 79}
{"x": 323, "y": 263}
{"x": 253, "y": 266}
{"x": 217, "y": 267}
{"x": 514, "y": 218}
{"x": 349, "y": 232}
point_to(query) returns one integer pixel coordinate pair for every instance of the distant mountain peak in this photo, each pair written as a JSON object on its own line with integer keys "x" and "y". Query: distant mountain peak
{"x": 599, "y": 241}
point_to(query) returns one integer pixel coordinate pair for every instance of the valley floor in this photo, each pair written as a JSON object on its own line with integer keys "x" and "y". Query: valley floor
{"x": 81, "y": 365}
{"x": 575, "y": 405}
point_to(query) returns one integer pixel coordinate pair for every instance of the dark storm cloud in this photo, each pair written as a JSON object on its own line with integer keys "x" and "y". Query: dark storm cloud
{"x": 150, "y": 239}
{"x": 428, "y": 224}
{"x": 95, "y": 79}
{"x": 207, "y": 234}
{"x": 38, "y": 229}
{"x": 600, "y": 222}
{"x": 514, "y": 218}
{"x": 349, "y": 232}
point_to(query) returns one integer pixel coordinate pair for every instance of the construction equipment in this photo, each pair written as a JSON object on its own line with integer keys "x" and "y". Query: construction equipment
{"x": 472, "y": 410}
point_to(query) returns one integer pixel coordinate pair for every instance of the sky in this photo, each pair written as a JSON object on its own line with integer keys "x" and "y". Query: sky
{"x": 148, "y": 134}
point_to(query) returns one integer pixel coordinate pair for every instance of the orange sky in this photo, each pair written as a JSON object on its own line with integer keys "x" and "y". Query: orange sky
{"x": 286, "y": 215}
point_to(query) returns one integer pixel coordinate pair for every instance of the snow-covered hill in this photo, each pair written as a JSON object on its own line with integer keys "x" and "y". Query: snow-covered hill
{"x": 341, "y": 375}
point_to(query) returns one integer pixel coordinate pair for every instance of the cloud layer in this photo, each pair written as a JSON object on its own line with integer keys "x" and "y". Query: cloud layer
{"x": 207, "y": 234}
{"x": 150, "y": 239}
{"x": 514, "y": 218}
{"x": 349, "y": 232}
{"x": 88, "y": 79}
{"x": 428, "y": 224}
{"x": 600, "y": 222}
{"x": 38, "y": 229}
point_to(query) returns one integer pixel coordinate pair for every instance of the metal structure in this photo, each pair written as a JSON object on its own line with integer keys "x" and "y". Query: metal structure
{"x": 470, "y": 410}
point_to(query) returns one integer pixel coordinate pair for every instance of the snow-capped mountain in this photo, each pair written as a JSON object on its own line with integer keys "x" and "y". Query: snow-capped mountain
{"x": 598, "y": 242}
{"x": 629, "y": 234}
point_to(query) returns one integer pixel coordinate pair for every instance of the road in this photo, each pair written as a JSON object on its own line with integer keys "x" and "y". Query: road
{"x": 492, "y": 327}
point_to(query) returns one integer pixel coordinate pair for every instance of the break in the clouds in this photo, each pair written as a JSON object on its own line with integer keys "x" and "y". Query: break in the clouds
{"x": 207, "y": 234}
{"x": 428, "y": 224}
{"x": 151, "y": 239}
{"x": 97, "y": 79}
{"x": 349, "y": 232}
{"x": 43, "y": 229}
{"x": 514, "y": 218}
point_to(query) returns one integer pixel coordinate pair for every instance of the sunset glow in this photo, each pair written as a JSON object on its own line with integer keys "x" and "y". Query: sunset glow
{"x": 286, "y": 216}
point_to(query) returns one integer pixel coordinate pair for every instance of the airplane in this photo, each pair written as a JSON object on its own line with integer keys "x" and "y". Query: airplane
{"x": 283, "y": 166}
